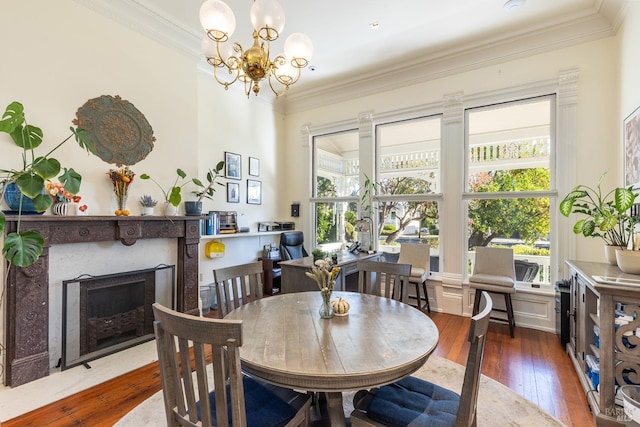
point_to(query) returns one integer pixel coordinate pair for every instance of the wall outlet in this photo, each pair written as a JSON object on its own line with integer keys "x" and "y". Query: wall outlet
{"x": 201, "y": 277}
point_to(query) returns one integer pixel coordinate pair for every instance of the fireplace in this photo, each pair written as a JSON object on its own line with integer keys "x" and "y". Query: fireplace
{"x": 109, "y": 313}
{"x": 26, "y": 331}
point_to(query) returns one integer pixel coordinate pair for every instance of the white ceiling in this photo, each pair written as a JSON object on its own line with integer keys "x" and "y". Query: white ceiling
{"x": 412, "y": 35}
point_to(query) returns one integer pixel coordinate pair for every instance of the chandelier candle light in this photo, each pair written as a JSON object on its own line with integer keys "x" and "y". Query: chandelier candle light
{"x": 253, "y": 65}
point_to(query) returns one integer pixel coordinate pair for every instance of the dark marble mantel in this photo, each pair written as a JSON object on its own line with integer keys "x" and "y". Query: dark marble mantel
{"x": 27, "y": 289}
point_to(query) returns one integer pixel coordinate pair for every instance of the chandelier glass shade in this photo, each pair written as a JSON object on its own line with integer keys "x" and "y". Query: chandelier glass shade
{"x": 232, "y": 63}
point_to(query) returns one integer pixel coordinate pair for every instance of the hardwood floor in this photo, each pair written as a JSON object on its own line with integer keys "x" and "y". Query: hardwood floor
{"x": 533, "y": 364}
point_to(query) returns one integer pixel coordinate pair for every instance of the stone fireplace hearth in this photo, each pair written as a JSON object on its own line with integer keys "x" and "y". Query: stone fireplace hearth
{"x": 27, "y": 289}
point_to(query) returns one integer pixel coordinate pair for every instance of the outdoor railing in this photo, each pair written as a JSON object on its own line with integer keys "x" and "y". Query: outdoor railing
{"x": 510, "y": 153}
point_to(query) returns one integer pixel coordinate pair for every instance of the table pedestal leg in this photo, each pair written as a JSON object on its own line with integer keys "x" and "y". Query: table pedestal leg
{"x": 335, "y": 409}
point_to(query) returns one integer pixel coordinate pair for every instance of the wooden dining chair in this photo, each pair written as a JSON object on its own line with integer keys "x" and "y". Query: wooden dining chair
{"x": 414, "y": 401}
{"x": 387, "y": 279}
{"x": 237, "y": 285}
{"x": 189, "y": 399}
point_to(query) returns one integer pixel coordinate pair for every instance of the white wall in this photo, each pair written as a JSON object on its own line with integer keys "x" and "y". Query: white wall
{"x": 629, "y": 88}
{"x": 60, "y": 54}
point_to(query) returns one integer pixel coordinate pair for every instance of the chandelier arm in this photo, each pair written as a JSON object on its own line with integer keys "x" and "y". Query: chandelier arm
{"x": 268, "y": 34}
{"x": 226, "y": 84}
{"x": 274, "y": 90}
{"x": 217, "y": 36}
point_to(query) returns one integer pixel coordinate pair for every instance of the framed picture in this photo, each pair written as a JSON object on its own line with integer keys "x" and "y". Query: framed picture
{"x": 631, "y": 134}
{"x": 254, "y": 192}
{"x": 233, "y": 192}
{"x": 254, "y": 166}
{"x": 232, "y": 167}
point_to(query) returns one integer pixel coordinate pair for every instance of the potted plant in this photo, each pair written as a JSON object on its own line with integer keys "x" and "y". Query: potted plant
{"x": 205, "y": 190}
{"x": 147, "y": 204}
{"x": 605, "y": 215}
{"x": 172, "y": 196}
{"x": 24, "y": 248}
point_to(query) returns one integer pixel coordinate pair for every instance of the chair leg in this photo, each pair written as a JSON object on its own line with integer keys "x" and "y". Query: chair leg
{"x": 426, "y": 296}
{"x": 510, "y": 317}
{"x": 476, "y": 302}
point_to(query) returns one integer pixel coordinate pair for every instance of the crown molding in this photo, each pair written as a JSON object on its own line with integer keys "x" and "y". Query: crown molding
{"x": 603, "y": 21}
{"x": 446, "y": 63}
{"x": 139, "y": 18}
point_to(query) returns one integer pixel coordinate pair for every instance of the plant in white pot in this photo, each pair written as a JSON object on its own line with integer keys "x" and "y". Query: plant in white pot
{"x": 205, "y": 190}
{"x": 147, "y": 203}
{"x": 24, "y": 248}
{"x": 604, "y": 215}
{"x": 172, "y": 196}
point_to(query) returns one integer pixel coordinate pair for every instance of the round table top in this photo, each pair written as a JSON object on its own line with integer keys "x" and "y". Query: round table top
{"x": 285, "y": 341}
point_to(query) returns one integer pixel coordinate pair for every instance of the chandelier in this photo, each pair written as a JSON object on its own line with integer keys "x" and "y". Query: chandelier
{"x": 231, "y": 63}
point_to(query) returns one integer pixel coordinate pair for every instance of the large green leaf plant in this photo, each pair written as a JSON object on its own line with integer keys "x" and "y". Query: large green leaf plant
{"x": 24, "y": 248}
{"x": 604, "y": 215}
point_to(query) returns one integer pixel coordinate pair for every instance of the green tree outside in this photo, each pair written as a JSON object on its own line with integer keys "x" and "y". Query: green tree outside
{"x": 528, "y": 218}
{"x": 424, "y": 212}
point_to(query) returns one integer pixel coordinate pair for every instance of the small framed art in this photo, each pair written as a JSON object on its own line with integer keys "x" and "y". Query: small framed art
{"x": 631, "y": 132}
{"x": 254, "y": 192}
{"x": 233, "y": 192}
{"x": 254, "y": 166}
{"x": 232, "y": 166}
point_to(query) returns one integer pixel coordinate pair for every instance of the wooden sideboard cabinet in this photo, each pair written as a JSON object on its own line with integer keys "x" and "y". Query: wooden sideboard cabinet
{"x": 598, "y": 292}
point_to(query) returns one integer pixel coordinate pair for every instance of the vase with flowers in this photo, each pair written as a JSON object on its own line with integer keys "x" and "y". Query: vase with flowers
{"x": 61, "y": 198}
{"x": 324, "y": 273}
{"x": 121, "y": 179}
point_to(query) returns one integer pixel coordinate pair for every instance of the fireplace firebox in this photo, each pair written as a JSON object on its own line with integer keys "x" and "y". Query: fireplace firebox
{"x": 109, "y": 313}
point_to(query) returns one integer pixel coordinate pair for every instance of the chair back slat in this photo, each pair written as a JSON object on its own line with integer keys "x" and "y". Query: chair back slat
{"x": 180, "y": 388}
{"x": 477, "y": 335}
{"x": 389, "y": 279}
{"x": 237, "y": 285}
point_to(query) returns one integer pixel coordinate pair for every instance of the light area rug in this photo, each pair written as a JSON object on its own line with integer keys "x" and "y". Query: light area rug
{"x": 497, "y": 405}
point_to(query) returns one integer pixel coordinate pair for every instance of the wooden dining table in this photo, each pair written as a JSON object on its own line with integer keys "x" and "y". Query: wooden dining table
{"x": 287, "y": 343}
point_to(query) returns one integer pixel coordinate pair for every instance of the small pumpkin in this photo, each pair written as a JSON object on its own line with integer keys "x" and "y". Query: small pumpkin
{"x": 340, "y": 306}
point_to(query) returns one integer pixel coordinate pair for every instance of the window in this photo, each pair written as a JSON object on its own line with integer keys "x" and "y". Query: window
{"x": 408, "y": 180}
{"x": 509, "y": 180}
{"x": 335, "y": 188}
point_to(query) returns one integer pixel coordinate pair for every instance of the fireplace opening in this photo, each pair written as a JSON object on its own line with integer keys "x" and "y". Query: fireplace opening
{"x": 109, "y": 313}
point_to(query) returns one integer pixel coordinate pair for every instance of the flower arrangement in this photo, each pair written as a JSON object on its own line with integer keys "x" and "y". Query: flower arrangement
{"x": 121, "y": 179}
{"x": 324, "y": 273}
{"x": 58, "y": 193}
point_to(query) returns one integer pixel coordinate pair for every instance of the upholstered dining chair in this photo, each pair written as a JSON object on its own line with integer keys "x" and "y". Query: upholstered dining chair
{"x": 417, "y": 254}
{"x": 197, "y": 400}
{"x": 292, "y": 245}
{"x": 383, "y": 278}
{"x": 416, "y": 402}
{"x": 237, "y": 285}
{"x": 494, "y": 271}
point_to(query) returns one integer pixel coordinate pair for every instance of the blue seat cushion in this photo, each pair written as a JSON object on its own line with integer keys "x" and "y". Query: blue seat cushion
{"x": 415, "y": 402}
{"x": 263, "y": 407}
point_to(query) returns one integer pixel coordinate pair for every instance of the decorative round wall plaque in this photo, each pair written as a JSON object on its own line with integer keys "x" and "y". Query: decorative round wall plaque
{"x": 120, "y": 132}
